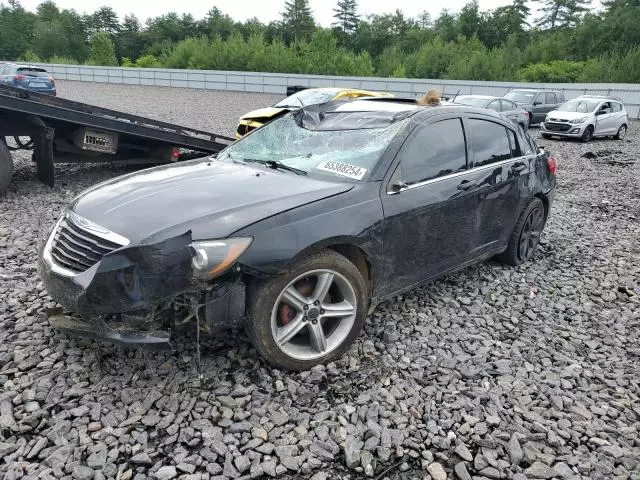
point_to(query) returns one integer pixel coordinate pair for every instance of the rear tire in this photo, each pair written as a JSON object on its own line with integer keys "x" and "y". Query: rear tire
{"x": 587, "y": 135}
{"x": 299, "y": 334}
{"x": 6, "y": 167}
{"x": 526, "y": 234}
{"x": 622, "y": 133}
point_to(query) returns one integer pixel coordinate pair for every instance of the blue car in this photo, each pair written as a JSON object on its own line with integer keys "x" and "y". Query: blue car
{"x": 29, "y": 77}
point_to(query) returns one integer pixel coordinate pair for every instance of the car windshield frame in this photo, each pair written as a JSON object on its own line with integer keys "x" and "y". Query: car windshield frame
{"x": 307, "y": 97}
{"x": 357, "y": 151}
{"x": 523, "y": 96}
{"x": 569, "y": 108}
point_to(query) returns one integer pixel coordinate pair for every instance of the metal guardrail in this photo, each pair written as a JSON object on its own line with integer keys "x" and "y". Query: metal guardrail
{"x": 277, "y": 83}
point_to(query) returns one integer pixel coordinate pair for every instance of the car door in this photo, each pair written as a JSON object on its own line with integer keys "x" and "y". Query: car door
{"x": 429, "y": 205}
{"x": 500, "y": 165}
{"x": 537, "y": 110}
{"x": 604, "y": 119}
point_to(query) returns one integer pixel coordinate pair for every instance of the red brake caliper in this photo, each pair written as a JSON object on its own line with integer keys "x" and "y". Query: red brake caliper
{"x": 287, "y": 312}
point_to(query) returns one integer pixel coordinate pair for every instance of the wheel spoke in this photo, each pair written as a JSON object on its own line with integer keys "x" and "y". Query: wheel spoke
{"x": 322, "y": 287}
{"x": 294, "y": 298}
{"x": 337, "y": 310}
{"x": 522, "y": 247}
{"x": 318, "y": 338}
{"x": 286, "y": 333}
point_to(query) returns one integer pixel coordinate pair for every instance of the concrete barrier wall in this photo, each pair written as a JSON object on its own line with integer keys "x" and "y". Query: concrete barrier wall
{"x": 276, "y": 83}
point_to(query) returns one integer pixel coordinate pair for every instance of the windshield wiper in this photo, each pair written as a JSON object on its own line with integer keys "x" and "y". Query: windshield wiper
{"x": 274, "y": 164}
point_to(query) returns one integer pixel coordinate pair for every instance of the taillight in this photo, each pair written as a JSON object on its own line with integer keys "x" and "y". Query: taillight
{"x": 50, "y": 78}
{"x": 18, "y": 77}
{"x": 552, "y": 165}
{"x": 175, "y": 153}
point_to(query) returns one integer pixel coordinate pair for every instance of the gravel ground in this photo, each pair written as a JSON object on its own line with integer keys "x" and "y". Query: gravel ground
{"x": 493, "y": 372}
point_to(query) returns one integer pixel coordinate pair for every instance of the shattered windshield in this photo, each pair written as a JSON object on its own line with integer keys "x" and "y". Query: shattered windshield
{"x": 579, "y": 106}
{"x": 307, "y": 97}
{"x": 343, "y": 153}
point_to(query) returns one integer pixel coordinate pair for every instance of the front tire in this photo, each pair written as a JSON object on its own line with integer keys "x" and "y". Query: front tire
{"x": 526, "y": 234}
{"x": 587, "y": 135}
{"x": 622, "y": 132}
{"x": 310, "y": 315}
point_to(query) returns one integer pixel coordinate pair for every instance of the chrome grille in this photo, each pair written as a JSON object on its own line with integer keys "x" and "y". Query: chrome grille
{"x": 77, "y": 249}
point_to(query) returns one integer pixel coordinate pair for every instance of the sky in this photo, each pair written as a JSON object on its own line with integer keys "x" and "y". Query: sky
{"x": 265, "y": 10}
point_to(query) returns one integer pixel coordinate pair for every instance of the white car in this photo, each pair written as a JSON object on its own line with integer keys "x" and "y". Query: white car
{"x": 587, "y": 117}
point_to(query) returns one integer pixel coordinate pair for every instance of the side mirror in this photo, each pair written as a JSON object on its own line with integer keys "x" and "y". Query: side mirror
{"x": 601, "y": 112}
{"x": 398, "y": 186}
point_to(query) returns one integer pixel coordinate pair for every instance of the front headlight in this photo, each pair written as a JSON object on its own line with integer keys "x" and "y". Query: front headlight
{"x": 211, "y": 258}
{"x": 579, "y": 120}
{"x": 546, "y": 119}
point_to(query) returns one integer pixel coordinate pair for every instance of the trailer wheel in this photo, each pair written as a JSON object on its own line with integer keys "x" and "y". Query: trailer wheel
{"x": 6, "y": 167}
{"x": 19, "y": 143}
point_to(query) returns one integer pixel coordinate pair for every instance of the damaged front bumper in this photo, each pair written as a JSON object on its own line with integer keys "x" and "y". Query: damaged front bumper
{"x": 135, "y": 294}
{"x": 119, "y": 334}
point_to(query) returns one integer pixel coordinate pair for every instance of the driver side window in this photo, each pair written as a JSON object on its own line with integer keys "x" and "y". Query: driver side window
{"x": 433, "y": 151}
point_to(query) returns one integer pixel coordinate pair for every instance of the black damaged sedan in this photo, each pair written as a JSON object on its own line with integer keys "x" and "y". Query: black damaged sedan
{"x": 300, "y": 228}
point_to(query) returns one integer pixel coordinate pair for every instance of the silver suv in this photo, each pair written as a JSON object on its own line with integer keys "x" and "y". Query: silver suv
{"x": 586, "y": 117}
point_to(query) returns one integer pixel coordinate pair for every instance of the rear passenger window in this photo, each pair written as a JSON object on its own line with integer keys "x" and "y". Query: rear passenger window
{"x": 507, "y": 106}
{"x": 513, "y": 141}
{"x": 490, "y": 142}
{"x": 551, "y": 97}
{"x": 433, "y": 151}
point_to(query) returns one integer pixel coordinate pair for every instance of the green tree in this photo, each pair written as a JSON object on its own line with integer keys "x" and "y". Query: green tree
{"x": 346, "y": 15}
{"x": 49, "y": 39}
{"x": 105, "y": 20}
{"x": 297, "y": 19}
{"x": 470, "y": 20}
{"x": 103, "y": 51}
{"x": 220, "y": 24}
{"x": 130, "y": 42}
{"x": 561, "y": 13}
{"x": 47, "y": 11}
{"x": 16, "y": 30}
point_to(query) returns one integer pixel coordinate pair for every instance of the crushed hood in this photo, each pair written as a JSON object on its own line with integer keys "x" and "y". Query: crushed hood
{"x": 211, "y": 198}
{"x": 267, "y": 112}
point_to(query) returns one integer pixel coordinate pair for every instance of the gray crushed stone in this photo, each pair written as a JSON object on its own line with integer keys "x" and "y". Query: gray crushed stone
{"x": 491, "y": 372}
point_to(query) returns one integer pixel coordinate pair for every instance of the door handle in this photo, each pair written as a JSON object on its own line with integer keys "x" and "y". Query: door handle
{"x": 518, "y": 168}
{"x": 467, "y": 185}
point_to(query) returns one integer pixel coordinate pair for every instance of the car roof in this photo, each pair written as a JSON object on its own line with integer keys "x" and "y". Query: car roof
{"x": 477, "y": 96}
{"x": 534, "y": 90}
{"x": 28, "y": 65}
{"x": 366, "y": 113}
{"x": 599, "y": 97}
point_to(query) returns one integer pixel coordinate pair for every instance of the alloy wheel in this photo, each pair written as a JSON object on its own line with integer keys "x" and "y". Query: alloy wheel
{"x": 530, "y": 234}
{"x": 622, "y": 132}
{"x": 314, "y": 314}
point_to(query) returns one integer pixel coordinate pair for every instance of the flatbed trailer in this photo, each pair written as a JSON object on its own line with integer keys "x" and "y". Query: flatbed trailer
{"x": 66, "y": 131}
